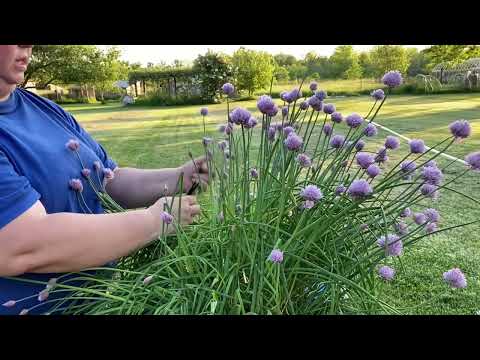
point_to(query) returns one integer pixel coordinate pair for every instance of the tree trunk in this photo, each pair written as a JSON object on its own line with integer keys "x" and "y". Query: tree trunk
{"x": 136, "y": 89}
{"x": 175, "y": 86}
{"x": 144, "y": 88}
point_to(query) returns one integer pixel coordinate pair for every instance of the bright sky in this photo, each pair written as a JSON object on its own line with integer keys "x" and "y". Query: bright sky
{"x": 187, "y": 53}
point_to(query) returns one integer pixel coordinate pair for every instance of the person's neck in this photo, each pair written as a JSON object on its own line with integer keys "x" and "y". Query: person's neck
{"x": 5, "y": 90}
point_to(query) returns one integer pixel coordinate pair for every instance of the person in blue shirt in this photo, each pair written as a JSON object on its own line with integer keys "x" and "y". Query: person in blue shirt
{"x": 51, "y": 220}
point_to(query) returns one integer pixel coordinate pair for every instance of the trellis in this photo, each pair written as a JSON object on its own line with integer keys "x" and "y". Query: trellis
{"x": 171, "y": 81}
{"x": 468, "y": 72}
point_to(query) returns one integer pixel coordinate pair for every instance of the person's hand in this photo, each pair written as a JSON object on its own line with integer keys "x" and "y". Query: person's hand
{"x": 195, "y": 174}
{"x": 182, "y": 210}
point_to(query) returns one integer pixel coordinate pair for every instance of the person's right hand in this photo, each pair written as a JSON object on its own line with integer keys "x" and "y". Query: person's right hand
{"x": 188, "y": 210}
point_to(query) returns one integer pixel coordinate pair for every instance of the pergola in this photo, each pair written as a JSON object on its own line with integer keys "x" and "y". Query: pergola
{"x": 171, "y": 81}
{"x": 467, "y": 71}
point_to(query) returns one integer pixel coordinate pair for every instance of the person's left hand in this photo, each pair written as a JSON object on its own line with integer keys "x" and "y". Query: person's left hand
{"x": 195, "y": 174}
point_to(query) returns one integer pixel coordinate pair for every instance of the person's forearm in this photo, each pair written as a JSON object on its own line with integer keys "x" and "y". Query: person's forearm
{"x": 66, "y": 242}
{"x": 134, "y": 188}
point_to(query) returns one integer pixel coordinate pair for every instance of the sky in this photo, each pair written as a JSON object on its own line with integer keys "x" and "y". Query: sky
{"x": 187, "y": 53}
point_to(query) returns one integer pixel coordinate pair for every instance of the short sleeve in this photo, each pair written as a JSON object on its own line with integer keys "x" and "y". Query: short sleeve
{"x": 16, "y": 193}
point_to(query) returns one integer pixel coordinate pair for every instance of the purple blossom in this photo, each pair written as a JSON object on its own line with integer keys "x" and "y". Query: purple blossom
{"x": 337, "y": 141}
{"x": 419, "y": 218}
{"x": 455, "y": 278}
{"x": 460, "y": 129}
{"x": 166, "y": 217}
{"x": 273, "y": 112}
{"x": 432, "y": 215}
{"x": 283, "y": 95}
{"x": 370, "y": 130}
{"x": 329, "y": 109}
{"x": 378, "y": 94}
{"x": 296, "y": 94}
{"x": 251, "y": 123}
{"x": 240, "y": 116}
{"x": 386, "y": 273}
{"x": 86, "y": 173}
{"x": 265, "y": 104}
{"x": 431, "y": 163}
{"x": 304, "y": 160}
{"x": 373, "y": 171}
{"x": 391, "y": 142}
{"x": 408, "y": 166}
{"x": 340, "y": 189}
{"x": 293, "y": 142}
{"x": 431, "y": 227}
{"x": 312, "y": 193}
{"x": 327, "y": 129}
{"x": 97, "y": 165}
{"x": 315, "y": 103}
{"x": 147, "y": 280}
{"x": 73, "y": 145}
{"x": 271, "y": 133}
{"x": 222, "y": 145}
{"x": 429, "y": 190}
{"x": 381, "y": 155}
{"x": 321, "y": 95}
{"x": 402, "y": 228}
{"x": 360, "y": 145}
{"x": 9, "y": 303}
{"x": 417, "y": 146}
{"x": 359, "y": 189}
{"x": 43, "y": 295}
{"x": 254, "y": 173}
{"x": 206, "y": 141}
{"x": 337, "y": 117}
{"x": 204, "y": 111}
{"x": 354, "y": 120}
{"x": 473, "y": 160}
{"x": 392, "y": 79}
{"x": 284, "y": 111}
{"x": 406, "y": 212}
{"x": 308, "y": 204}
{"x": 229, "y": 129}
{"x": 287, "y": 130}
{"x": 364, "y": 160}
{"x": 108, "y": 173}
{"x": 76, "y": 184}
{"x": 304, "y": 105}
{"x": 313, "y": 86}
{"x": 276, "y": 256}
{"x": 432, "y": 175}
{"x": 393, "y": 244}
{"x": 23, "y": 312}
{"x": 228, "y": 88}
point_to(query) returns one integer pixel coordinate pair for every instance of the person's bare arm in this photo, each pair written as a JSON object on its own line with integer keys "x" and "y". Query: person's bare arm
{"x": 64, "y": 242}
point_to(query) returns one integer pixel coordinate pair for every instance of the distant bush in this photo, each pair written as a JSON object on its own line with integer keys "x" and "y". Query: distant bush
{"x": 166, "y": 100}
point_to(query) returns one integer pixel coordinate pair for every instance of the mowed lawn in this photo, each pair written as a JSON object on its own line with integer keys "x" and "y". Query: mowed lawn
{"x": 161, "y": 137}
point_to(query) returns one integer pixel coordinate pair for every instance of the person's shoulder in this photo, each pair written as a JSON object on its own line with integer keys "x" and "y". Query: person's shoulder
{"x": 42, "y": 102}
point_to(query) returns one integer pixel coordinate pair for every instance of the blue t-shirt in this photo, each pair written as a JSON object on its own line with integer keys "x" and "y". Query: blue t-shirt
{"x": 35, "y": 164}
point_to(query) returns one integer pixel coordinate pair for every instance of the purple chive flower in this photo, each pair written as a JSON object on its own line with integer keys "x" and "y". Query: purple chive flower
{"x": 402, "y": 228}
{"x": 222, "y": 128}
{"x": 287, "y": 130}
{"x": 431, "y": 163}
{"x": 473, "y": 160}
{"x": 265, "y": 104}
{"x": 329, "y": 109}
{"x": 327, "y": 129}
{"x": 204, "y": 111}
{"x": 360, "y": 145}
{"x": 308, "y": 204}
{"x": 373, "y": 171}
{"x": 408, "y": 166}
{"x": 228, "y": 88}
{"x": 206, "y": 141}
{"x": 419, "y": 218}
{"x": 271, "y": 133}
{"x": 304, "y": 105}
{"x": 86, "y": 173}
{"x": 229, "y": 129}
{"x": 315, "y": 103}
{"x": 455, "y": 278}
{"x": 51, "y": 283}
{"x": 304, "y": 160}
{"x": 321, "y": 95}
{"x": 313, "y": 86}
{"x": 166, "y": 217}
{"x": 312, "y": 193}
{"x": 283, "y": 95}
{"x": 284, "y": 111}
{"x": 147, "y": 280}
{"x": 393, "y": 245}
{"x": 240, "y": 116}
{"x": 406, "y": 213}
{"x": 381, "y": 156}
{"x": 222, "y": 145}
{"x": 359, "y": 189}
{"x": 386, "y": 273}
{"x": 76, "y": 184}
{"x": 429, "y": 190}
{"x": 340, "y": 190}
{"x": 254, "y": 173}
{"x": 354, "y": 120}
{"x": 337, "y": 141}
{"x": 73, "y": 145}
{"x": 293, "y": 142}
{"x": 431, "y": 227}
{"x": 392, "y": 79}
{"x": 108, "y": 173}
{"x": 43, "y": 295}
{"x": 276, "y": 256}
{"x": 364, "y": 160}
{"x": 9, "y": 303}
{"x": 460, "y": 129}
{"x": 273, "y": 112}
{"x": 432, "y": 175}
{"x": 391, "y": 142}
{"x": 296, "y": 94}
{"x": 417, "y": 146}
{"x": 97, "y": 165}
{"x": 370, "y": 130}
{"x": 337, "y": 117}
{"x": 23, "y": 312}
{"x": 432, "y": 215}
{"x": 251, "y": 123}
{"x": 378, "y": 94}
{"x": 279, "y": 126}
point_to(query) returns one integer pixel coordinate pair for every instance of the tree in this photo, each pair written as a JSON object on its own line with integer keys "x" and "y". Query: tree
{"x": 451, "y": 54}
{"x": 214, "y": 70}
{"x": 297, "y": 71}
{"x": 285, "y": 60}
{"x": 344, "y": 62}
{"x": 388, "y": 57}
{"x": 419, "y": 63}
{"x": 365, "y": 62}
{"x": 281, "y": 73}
{"x": 253, "y": 69}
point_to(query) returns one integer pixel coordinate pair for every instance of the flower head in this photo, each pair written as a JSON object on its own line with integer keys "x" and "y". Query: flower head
{"x": 228, "y": 88}
{"x": 417, "y": 146}
{"x": 254, "y": 173}
{"x": 43, "y": 295}
{"x": 329, "y": 109}
{"x": 76, "y": 184}
{"x": 432, "y": 215}
{"x": 271, "y": 133}
{"x": 293, "y": 142}
{"x": 206, "y": 140}
{"x": 86, "y": 173}
{"x": 97, "y": 165}
{"x": 312, "y": 193}
{"x": 9, "y": 303}
{"x": 359, "y": 145}
{"x": 473, "y": 160}
{"x": 337, "y": 141}
{"x": 460, "y": 129}
{"x": 284, "y": 111}
{"x": 455, "y": 278}
{"x": 222, "y": 145}
{"x": 327, "y": 129}
{"x": 381, "y": 156}
{"x": 240, "y": 116}
{"x": 402, "y": 228}
{"x": 392, "y": 142}
{"x": 287, "y": 130}
{"x": 308, "y": 204}
{"x": 378, "y": 94}
{"x": 304, "y": 105}
{"x": 276, "y": 256}
{"x": 73, "y": 145}
{"x": 108, "y": 173}
{"x": 166, "y": 217}
{"x": 340, "y": 189}
{"x": 419, "y": 218}
{"x": 354, "y": 120}
{"x": 406, "y": 212}
{"x": 392, "y": 243}
{"x": 431, "y": 227}
{"x": 321, "y": 95}
{"x": 408, "y": 166}
{"x": 265, "y": 104}
{"x": 364, "y": 160}
{"x": 204, "y": 111}
{"x": 304, "y": 160}
{"x": 429, "y": 190}
{"x": 392, "y": 79}
{"x": 337, "y": 117}
{"x": 313, "y": 86}
{"x": 359, "y": 189}
{"x": 315, "y": 103}
{"x": 370, "y": 130}
{"x": 386, "y": 273}
{"x": 432, "y": 175}
{"x": 251, "y": 123}
{"x": 147, "y": 280}
{"x": 373, "y": 171}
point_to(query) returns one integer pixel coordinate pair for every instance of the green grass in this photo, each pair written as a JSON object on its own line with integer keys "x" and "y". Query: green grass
{"x": 161, "y": 137}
